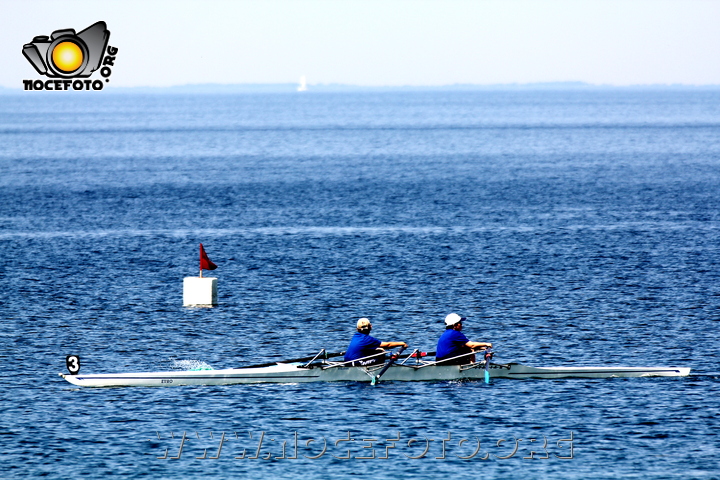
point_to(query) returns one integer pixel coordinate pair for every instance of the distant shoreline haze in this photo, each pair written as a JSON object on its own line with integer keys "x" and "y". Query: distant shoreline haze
{"x": 293, "y": 87}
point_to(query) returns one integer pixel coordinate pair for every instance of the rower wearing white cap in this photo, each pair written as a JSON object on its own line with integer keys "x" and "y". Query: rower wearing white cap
{"x": 453, "y": 343}
{"x": 363, "y": 345}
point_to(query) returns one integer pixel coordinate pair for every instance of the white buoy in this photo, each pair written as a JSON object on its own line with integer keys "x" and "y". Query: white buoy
{"x": 200, "y": 292}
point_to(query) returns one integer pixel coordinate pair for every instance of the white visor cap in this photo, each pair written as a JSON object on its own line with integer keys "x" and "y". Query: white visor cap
{"x": 452, "y": 319}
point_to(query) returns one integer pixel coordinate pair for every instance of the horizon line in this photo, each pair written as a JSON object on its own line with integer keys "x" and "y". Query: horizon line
{"x": 338, "y": 87}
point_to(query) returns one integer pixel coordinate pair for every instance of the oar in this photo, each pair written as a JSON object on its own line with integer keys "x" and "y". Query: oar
{"x": 488, "y": 357}
{"x": 393, "y": 357}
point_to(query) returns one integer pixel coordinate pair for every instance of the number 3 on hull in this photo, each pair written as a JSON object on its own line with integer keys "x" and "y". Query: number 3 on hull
{"x": 72, "y": 362}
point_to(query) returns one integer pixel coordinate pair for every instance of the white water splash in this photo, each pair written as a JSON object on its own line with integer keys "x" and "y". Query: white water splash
{"x": 190, "y": 365}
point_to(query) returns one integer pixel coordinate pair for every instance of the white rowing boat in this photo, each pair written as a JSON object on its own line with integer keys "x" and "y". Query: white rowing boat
{"x": 328, "y": 371}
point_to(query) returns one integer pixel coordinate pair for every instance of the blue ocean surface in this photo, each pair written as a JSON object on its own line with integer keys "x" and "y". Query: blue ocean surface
{"x": 572, "y": 228}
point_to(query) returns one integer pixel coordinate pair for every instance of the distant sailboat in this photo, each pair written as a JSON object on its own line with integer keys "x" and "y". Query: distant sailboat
{"x": 303, "y": 85}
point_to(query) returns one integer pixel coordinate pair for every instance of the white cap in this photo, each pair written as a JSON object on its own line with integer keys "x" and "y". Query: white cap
{"x": 452, "y": 319}
{"x": 363, "y": 323}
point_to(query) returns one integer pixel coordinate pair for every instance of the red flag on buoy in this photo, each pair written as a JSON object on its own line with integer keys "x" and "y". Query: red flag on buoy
{"x": 205, "y": 263}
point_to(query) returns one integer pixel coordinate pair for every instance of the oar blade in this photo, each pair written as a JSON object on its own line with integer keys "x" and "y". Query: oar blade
{"x": 488, "y": 357}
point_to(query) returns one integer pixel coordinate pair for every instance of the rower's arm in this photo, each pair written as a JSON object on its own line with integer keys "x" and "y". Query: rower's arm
{"x": 474, "y": 345}
{"x": 393, "y": 344}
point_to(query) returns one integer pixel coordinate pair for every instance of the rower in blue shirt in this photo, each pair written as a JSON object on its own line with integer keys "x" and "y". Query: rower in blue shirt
{"x": 453, "y": 343}
{"x": 363, "y": 345}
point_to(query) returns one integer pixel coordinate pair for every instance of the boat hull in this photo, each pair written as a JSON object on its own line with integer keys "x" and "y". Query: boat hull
{"x": 294, "y": 373}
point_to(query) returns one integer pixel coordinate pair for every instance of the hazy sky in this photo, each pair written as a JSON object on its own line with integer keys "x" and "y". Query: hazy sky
{"x": 383, "y": 42}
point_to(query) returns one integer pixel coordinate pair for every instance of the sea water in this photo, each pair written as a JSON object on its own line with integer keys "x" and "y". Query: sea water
{"x": 574, "y": 228}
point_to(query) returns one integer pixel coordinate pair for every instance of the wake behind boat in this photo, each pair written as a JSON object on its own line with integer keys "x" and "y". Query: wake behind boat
{"x": 321, "y": 369}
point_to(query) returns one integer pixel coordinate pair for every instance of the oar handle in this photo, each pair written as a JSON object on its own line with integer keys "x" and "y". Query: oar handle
{"x": 397, "y": 354}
